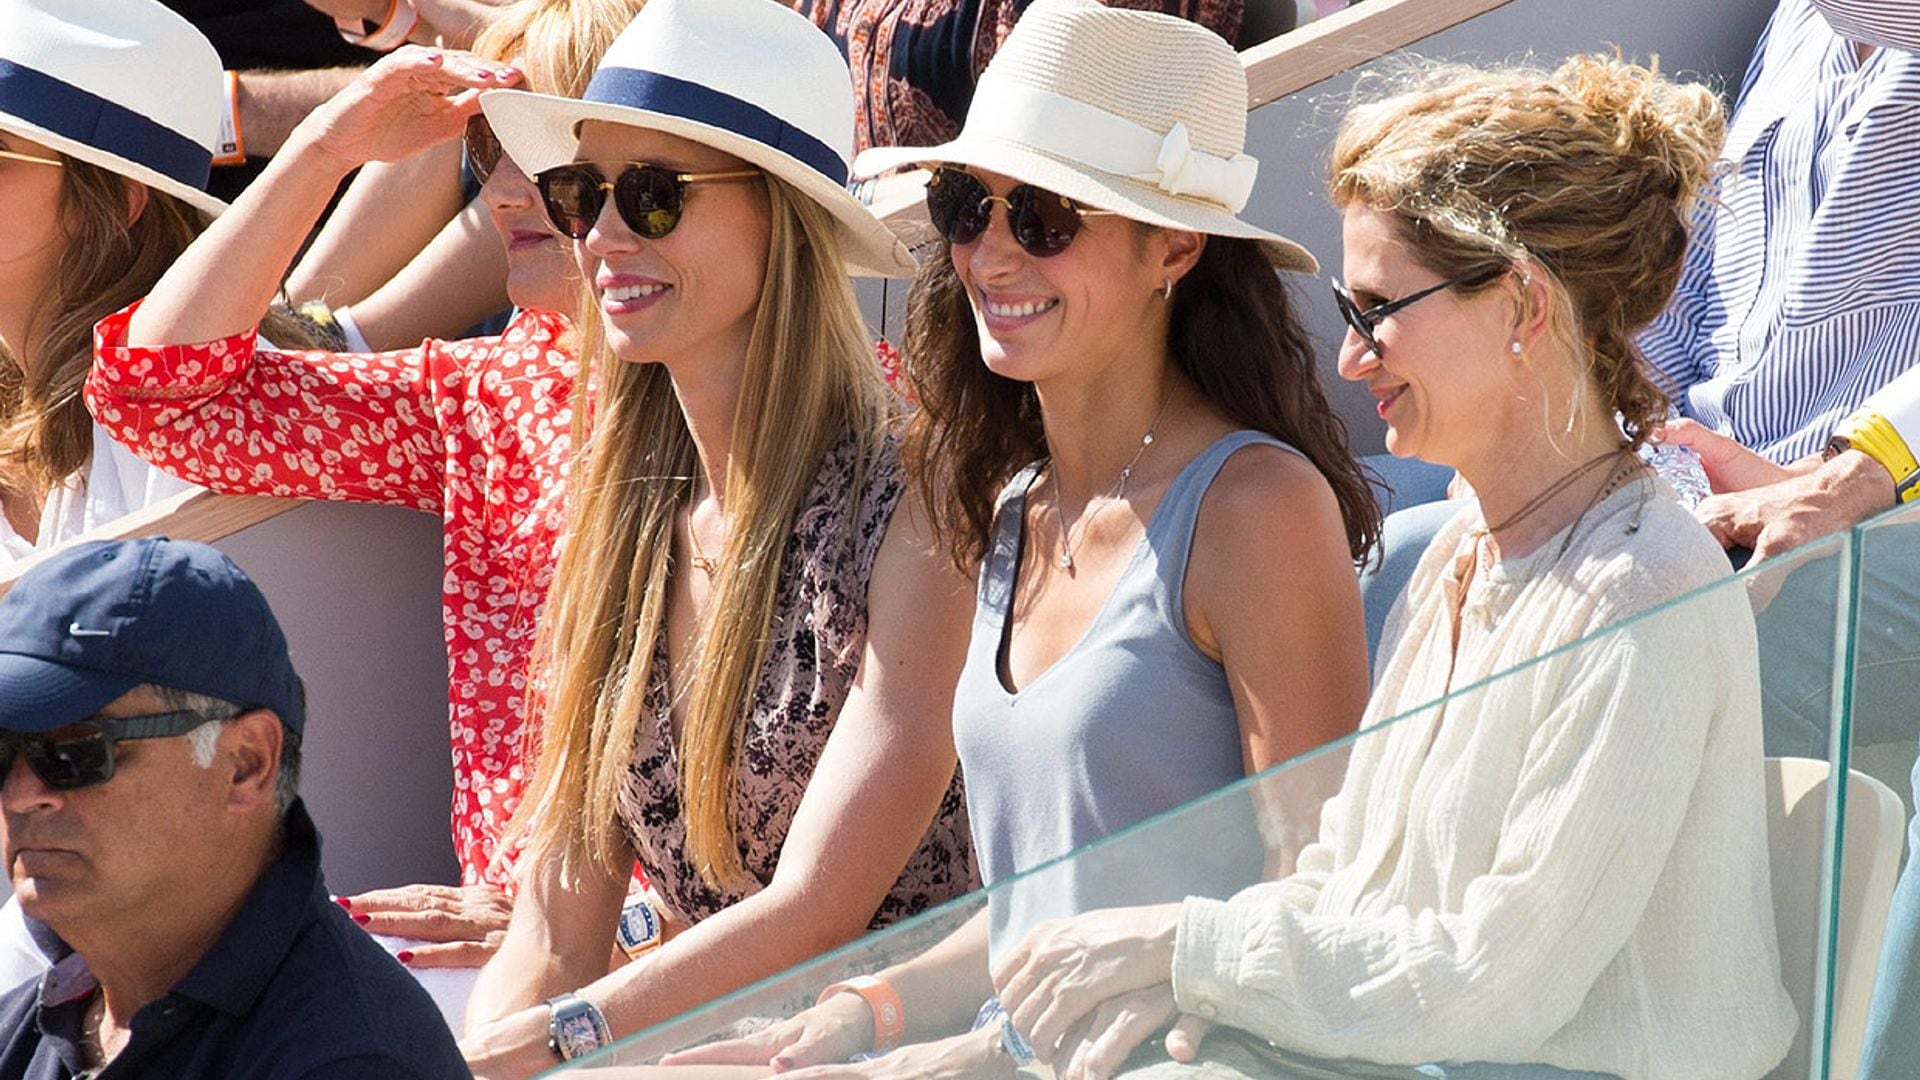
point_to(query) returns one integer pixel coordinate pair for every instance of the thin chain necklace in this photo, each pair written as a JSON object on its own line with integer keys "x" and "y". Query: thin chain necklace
{"x": 699, "y": 557}
{"x": 1555, "y": 488}
{"x": 1117, "y": 491}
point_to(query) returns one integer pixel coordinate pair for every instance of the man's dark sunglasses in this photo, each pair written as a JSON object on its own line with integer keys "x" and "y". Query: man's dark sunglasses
{"x": 483, "y": 148}
{"x": 649, "y": 197}
{"x": 80, "y": 755}
{"x": 1364, "y": 322}
{"x": 1043, "y": 223}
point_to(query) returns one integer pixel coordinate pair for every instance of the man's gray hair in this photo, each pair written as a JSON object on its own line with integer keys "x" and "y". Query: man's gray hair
{"x": 201, "y": 740}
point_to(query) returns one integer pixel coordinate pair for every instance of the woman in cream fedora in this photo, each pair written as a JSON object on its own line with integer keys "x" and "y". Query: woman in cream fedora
{"x": 1120, "y": 416}
{"x": 109, "y": 111}
{"x": 748, "y": 651}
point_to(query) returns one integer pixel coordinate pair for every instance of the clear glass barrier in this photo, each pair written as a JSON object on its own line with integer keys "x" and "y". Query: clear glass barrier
{"x": 1584, "y": 860}
{"x": 1878, "y": 924}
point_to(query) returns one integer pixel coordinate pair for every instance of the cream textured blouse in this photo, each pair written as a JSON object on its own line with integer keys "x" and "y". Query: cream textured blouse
{"x": 1567, "y": 865}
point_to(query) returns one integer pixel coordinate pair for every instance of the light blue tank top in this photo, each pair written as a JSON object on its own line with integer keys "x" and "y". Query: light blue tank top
{"x": 1132, "y": 721}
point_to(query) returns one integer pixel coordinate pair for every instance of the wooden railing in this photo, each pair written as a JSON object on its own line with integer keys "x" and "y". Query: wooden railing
{"x": 190, "y": 515}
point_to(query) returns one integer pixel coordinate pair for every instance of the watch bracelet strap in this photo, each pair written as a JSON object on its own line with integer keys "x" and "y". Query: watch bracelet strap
{"x": 889, "y": 1016}
{"x": 1871, "y": 433}
{"x": 392, "y": 32}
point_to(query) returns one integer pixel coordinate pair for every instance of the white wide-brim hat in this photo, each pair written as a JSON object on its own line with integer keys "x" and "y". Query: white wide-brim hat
{"x": 123, "y": 84}
{"x": 750, "y": 77}
{"x": 1135, "y": 112}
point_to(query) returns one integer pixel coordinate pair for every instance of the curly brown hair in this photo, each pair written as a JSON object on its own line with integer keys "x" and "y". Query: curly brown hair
{"x": 1235, "y": 332}
{"x": 1592, "y": 172}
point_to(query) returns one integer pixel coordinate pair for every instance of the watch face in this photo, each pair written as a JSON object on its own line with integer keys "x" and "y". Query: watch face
{"x": 639, "y": 927}
{"x": 575, "y": 1035}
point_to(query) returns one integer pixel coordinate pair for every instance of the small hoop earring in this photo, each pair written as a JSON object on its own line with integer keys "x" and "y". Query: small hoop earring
{"x": 1165, "y": 291}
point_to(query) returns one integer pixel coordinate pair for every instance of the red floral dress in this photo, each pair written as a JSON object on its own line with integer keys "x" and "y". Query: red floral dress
{"x": 477, "y": 431}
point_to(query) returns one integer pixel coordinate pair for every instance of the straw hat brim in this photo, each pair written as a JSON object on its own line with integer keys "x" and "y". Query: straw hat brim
{"x": 540, "y": 131}
{"x": 114, "y": 163}
{"x": 1101, "y": 191}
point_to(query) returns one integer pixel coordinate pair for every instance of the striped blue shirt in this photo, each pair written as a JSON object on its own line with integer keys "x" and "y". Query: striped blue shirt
{"x": 1801, "y": 293}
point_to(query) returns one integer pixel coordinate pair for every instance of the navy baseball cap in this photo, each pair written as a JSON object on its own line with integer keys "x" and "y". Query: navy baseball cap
{"x": 98, "y": 619}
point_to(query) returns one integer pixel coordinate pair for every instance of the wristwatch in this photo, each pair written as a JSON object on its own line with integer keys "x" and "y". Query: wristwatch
{"x": 575, "y": 1027}
{"x": 639, "y": 927}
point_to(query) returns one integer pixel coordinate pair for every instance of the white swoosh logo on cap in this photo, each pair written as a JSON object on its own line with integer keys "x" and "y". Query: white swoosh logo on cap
{"x": 77, "y": 630}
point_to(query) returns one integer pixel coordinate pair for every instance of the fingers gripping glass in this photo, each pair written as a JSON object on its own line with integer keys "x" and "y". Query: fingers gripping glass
{"x": 1043, "y": 223}
{"x": 648, "y": 197}
{"x": 1365, "y": 322}
{"x": 81, "y": 755}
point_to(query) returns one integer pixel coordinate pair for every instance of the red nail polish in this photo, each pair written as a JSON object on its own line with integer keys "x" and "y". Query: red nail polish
{"x": 405, "y": 956}
{"x": 362, "y": 918}
{"x": 343, "y": 901}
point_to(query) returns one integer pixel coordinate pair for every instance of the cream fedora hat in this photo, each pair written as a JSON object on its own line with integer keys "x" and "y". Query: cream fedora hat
{"x": 1135, "y": 112}
{"x": 123, "y": 84}
{"x": 751, "y": 77}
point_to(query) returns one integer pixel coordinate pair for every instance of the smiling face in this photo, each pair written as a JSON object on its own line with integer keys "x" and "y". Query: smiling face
{"x": 104, "y": 853}
{"x": 691, "y": 294}
{"x": 541, "y": 271}
{"x": 1441, "y": 380}
{"x": 1038, "y": 318}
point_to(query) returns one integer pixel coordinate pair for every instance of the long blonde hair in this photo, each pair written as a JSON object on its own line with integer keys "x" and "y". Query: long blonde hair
{"x": 556, "y": 43}
{"x": 810, "y": 378}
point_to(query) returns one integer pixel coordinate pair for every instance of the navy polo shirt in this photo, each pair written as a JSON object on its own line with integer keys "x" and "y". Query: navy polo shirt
{"x": 291, "y": 990}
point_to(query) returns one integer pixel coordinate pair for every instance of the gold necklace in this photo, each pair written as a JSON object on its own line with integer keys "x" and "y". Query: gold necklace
{"x": 1116, "y": 492}
{"x": 699, "y": 557}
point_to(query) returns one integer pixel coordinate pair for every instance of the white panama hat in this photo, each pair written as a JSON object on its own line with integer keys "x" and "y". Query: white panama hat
{"x": 123, "y": 84}
{"x": 751, "y": 77}
{"x": 1135, "y": 112}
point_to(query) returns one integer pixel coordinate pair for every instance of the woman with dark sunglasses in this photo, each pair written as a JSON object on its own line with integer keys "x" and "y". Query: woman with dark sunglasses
{"x": 748, "y": 655}
{"x": 1120, "y": 425}
{"x": 475, "y": 431}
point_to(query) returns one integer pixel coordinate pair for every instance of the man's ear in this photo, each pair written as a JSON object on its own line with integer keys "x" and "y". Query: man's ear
{"x": 136, "y": 200}
{"x": 249, "y": 755}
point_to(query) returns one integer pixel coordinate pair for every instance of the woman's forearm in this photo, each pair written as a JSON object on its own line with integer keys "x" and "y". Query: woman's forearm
{"x": 222, "y": 284}
{"x": 389, "y": 214}
{"x": 456, "y": 281}
{"x": 941, "y": 990}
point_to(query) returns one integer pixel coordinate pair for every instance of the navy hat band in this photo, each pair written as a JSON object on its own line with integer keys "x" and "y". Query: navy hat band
{"x": 654, "y": 92}
{"x": 85, "y": 117}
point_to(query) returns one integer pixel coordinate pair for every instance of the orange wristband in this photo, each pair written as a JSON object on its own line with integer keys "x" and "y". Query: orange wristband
{"x": 889, "y": 1018}
{"x": 232, "y": 148}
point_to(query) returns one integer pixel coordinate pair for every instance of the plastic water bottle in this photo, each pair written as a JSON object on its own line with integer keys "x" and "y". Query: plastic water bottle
{"x": 1680, "y": 467}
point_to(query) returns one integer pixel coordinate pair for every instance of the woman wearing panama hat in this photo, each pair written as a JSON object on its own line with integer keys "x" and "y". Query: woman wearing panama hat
{"x": 1119, "y": 413}
{"x": 103, "y": 170}
{"x": 747, "y": 655}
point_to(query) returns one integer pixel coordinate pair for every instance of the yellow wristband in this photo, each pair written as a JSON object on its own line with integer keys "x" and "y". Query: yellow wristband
{"x": 1875, "y": 436}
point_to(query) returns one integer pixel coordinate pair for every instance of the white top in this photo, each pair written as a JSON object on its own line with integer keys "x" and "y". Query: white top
{"x": 1570, "y": 868}
{"x": 115, "y": 483}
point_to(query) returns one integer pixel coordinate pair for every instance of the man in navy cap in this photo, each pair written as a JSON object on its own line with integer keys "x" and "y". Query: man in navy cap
{"x": 150, "y": 725}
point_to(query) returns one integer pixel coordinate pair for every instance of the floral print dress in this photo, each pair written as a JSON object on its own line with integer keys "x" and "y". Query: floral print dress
{"x": 814, "y": 647}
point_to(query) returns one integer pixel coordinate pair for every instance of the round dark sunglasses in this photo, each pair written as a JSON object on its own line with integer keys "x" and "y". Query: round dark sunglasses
{"x": 483, "y": 148}
{"x": 1042, "y": 222}
{"x": 648, "y": 197}
{"x": 1364, "y": 322}
{"x": 80, "y": 755}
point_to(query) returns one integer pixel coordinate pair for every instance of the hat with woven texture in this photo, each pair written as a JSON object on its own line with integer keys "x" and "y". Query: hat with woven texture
{"x": 1135, "y": 112}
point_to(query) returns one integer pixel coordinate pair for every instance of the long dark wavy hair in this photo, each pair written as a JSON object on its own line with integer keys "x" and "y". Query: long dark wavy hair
{"x": 1235, "y": 332}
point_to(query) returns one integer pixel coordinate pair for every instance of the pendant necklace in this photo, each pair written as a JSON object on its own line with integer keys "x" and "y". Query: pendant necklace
{"x": 1117, "y": 491}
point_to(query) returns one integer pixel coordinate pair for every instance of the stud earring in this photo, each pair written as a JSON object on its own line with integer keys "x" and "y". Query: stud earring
{"x": 1165, "y": 291}
{"x": 1514, "y": 346}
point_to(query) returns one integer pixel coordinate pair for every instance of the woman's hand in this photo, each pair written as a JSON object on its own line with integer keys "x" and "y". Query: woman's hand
{"x": 1063, "y": 971}
{"x": 827, "y": 1034}
{"x": 510, "y": 1048}
{"x": 464, "y": 923}
{"x": 408, "y": 101}
{"x": 1729, "y": 466}
{"x": 975, "y": 1055}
